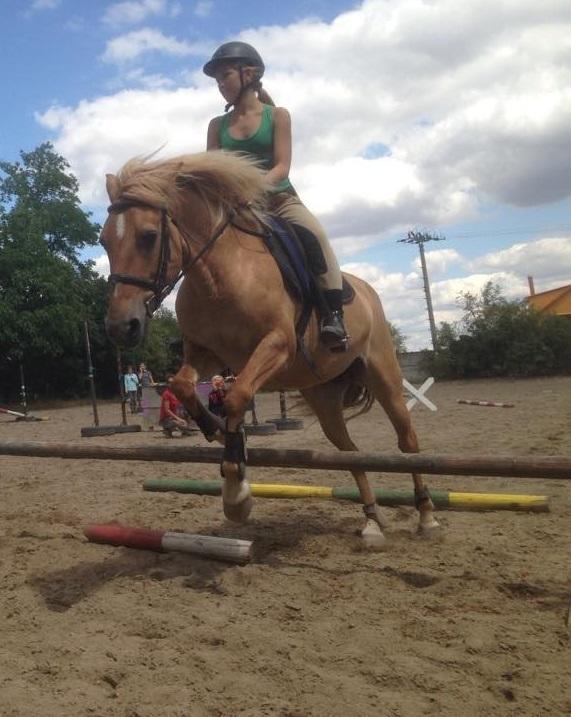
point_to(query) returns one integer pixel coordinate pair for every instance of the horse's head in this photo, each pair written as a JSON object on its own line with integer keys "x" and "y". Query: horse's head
{"x": 164, "y": 217}
{"x": 145, "y": 259}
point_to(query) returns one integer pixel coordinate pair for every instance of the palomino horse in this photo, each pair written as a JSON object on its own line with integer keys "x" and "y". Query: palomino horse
{"x": 193, "y": 217}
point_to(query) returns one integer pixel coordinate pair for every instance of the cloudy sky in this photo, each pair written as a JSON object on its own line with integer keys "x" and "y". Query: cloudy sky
{"x": 442, "y": 116}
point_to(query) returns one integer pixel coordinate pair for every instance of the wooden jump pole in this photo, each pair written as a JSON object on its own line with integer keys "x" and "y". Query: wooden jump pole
{"x": 90, "y": 376}
{"x": 442, "y": 499}
{"x": 554, "y": 467}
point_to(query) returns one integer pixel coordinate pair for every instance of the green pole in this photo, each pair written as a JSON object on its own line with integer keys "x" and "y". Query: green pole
{"x": 384, "y": 496}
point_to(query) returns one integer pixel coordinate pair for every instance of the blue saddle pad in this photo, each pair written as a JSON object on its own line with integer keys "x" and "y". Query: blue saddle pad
{"x": 287, "y": 250}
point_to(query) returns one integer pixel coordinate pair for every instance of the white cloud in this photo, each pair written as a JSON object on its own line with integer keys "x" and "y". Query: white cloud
{"x": 148, "y": 81}
{"x": 102, "y": 265}
{"x": 445, "y": 294}
{"x": 129, "y": 123}
{"x": 470, "y": 99}
{"x": 439, "y": 261}
{"x": 548, "y": 258}
{"x": 133, "y": 11}
{"x": 139, "y": 42}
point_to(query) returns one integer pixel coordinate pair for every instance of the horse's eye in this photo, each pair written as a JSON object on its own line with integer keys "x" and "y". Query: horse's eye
{"x": 147, "y": 239}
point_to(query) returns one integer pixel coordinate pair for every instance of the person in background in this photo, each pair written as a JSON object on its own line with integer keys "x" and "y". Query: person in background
{"x": 131, "y": 384}
{"x": 170, "y": 414}
{"x": 216, "y": 396}
{"x": 145, "y": 380}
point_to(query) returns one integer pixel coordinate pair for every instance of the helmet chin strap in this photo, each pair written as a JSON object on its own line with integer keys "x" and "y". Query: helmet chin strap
{"x": 243, "y": 88}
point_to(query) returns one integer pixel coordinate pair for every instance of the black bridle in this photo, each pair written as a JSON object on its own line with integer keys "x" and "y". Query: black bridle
{"x": 160, "y": 287}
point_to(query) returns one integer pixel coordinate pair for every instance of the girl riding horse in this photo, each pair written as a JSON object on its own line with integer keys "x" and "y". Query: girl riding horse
{"x": 258, "y": 129}
{"x": 185, "y": 217}
{"x": 190, "y": 217}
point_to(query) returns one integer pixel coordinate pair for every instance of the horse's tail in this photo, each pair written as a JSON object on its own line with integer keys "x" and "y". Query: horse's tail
{"x": 356, "y": 394}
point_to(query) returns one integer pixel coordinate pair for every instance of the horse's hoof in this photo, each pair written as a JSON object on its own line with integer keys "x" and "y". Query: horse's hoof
{"x": 239, "y": 512}
{"x": 372, "y": 537}
{"x": 382, "y": 519}
{"x": 236, "y": 495}
{"x": 431, "y": 530}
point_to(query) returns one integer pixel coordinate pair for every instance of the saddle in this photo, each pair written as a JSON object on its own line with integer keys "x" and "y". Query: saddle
{"x": 298, "y": 255}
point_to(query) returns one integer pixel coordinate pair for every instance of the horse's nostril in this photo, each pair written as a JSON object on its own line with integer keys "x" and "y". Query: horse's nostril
{"x": 134, "y": 328}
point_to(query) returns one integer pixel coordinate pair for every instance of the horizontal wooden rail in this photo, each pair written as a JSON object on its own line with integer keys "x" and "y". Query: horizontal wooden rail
{"x": 509, "y": 467}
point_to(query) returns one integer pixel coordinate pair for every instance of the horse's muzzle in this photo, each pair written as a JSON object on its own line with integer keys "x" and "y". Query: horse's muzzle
{"x": 125, "y": 333}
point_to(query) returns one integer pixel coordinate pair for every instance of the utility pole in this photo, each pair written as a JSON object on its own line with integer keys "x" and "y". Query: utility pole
{"x": 420, "y": 238}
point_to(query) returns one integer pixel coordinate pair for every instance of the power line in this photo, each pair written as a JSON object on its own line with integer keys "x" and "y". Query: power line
{"x": 511, "y": 232}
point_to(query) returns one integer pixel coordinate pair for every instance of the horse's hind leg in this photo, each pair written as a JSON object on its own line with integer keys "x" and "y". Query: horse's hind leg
{"x": 384, "y": 380}
{"x": 326, "y": 401}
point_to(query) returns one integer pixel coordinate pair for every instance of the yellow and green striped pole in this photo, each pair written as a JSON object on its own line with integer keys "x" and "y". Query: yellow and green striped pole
{"x": 442, "y": 499}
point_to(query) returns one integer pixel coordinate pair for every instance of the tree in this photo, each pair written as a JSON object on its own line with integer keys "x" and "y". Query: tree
{"x": 399, "y": 339}
{"x": 497, "y": 337}
{"x": 43, "y": 201}
{"x": 46, "y": 291}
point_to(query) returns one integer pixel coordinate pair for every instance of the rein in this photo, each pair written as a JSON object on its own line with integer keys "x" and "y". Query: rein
{"x": 160, "y": 287}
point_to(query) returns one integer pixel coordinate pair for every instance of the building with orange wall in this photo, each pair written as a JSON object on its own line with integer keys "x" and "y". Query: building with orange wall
{"x": 554, "y": 301}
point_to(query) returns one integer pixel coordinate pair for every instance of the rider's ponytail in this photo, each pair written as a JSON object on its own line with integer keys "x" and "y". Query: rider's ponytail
{"x": 256, "y": 85}
{"x": 264, "y": 97}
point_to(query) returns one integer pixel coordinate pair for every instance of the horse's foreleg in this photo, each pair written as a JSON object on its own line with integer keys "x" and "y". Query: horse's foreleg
{"x": 184, "y": 388}
{"x": 271, "y": 354}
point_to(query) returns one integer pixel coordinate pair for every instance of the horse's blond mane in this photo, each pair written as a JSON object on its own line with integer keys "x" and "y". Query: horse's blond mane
{"x": 224, "y": 180}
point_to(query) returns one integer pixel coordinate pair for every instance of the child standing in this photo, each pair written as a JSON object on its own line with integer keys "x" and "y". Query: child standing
{"x": 145, "y": 380}
{"x": 131, "y": 383}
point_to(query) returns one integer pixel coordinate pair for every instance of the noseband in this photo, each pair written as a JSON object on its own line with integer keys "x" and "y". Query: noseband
{"x": 160, "y": 287}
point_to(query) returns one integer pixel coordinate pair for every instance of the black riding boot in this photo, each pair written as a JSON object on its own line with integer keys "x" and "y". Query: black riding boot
{"x": 332, "y": 330}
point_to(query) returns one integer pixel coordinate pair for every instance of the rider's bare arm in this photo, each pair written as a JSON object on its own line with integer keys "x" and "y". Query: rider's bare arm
{"x": 213, "y": 136}
{"x": 282, "y": 146}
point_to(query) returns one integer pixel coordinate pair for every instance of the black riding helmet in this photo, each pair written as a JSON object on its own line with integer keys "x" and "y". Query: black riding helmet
{"x": 238, "y": 52}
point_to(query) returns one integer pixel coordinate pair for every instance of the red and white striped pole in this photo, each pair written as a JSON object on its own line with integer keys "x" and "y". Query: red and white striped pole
{"x": 495, "y": 404}
{"x": 208, "y": 546}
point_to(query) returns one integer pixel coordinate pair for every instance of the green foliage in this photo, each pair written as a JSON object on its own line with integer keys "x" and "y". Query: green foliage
{"x": 46, "y": 292}
{"x": 42, "y": 201}
{"x": 497, "y": 337}
{"x": 399, "y": 339}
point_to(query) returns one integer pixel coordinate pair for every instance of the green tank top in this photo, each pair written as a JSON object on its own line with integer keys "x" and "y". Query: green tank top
{"x": 259, "y": 146}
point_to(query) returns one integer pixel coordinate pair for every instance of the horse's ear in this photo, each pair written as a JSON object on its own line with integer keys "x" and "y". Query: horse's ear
{"x": 113, "y": 187}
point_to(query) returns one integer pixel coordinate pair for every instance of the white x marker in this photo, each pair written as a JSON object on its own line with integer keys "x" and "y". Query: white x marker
{"x": 418, "y": 394}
